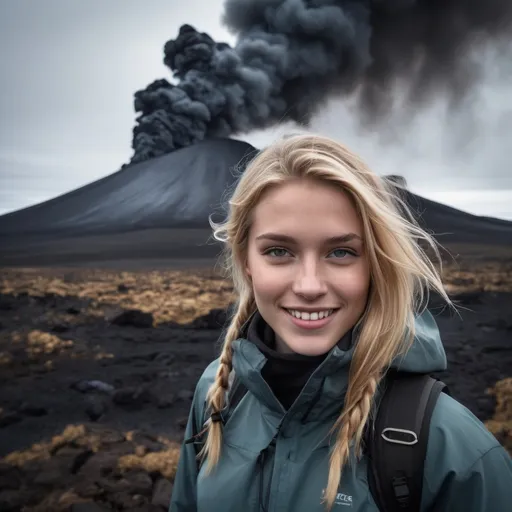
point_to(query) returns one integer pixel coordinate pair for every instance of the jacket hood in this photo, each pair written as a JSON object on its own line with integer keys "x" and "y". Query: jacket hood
{"x": 426, "y": 354}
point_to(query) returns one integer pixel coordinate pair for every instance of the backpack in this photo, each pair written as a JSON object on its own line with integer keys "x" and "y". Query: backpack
{"x": 395, "y": 441}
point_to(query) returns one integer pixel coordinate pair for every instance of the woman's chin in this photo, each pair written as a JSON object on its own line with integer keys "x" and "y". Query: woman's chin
{"x": 307, "y": 348}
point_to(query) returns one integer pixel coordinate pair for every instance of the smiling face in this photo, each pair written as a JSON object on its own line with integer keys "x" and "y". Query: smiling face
{"x": 306, "y": 254}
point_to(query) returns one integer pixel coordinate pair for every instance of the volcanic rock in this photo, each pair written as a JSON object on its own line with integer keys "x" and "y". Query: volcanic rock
{"x": 215, "y": 319}
{"x": 134, "y": 318}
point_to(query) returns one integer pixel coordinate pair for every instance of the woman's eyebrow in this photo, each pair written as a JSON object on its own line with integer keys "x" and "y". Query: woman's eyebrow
{"x": 278, "y": 237}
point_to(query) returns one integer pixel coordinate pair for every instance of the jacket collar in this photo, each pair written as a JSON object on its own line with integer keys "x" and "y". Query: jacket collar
{"x": 323, "y": 392}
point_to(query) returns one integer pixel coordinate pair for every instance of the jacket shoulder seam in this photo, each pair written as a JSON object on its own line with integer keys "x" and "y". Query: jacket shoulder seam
{"x": 468, "y": 471}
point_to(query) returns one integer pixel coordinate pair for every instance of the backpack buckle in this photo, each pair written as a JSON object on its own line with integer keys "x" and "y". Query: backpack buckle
{"x": 407, "y": 437}
{"x": 401, "y": 490}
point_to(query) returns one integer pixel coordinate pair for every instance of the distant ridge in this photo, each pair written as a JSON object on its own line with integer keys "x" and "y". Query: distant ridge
{"x": 158, "y": 210}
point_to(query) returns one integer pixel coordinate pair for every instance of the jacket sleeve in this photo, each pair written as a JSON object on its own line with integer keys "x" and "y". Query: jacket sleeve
{"x": 485, "y": 487}
{"x": 466, "y": 469}
{"x": 184, "y": 489}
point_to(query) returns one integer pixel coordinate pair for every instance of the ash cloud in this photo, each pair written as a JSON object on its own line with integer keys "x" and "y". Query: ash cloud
{"x": 293, "y": 55}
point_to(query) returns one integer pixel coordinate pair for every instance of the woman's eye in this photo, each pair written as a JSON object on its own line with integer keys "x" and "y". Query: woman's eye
{"x": 342, "y": 253}
{"x": 276, "y": 251}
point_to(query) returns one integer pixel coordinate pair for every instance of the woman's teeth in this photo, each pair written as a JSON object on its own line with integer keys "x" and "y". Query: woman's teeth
{"x": 317, "y": 315}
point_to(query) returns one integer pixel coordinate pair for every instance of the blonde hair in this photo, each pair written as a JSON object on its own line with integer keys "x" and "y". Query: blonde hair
{"x": 401, "y": 276}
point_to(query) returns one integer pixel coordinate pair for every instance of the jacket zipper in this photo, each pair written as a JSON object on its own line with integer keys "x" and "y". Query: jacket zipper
{"x": 264, "y": 498}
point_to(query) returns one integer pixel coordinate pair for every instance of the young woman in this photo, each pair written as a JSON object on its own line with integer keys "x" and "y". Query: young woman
{"x": 330, "y": 277}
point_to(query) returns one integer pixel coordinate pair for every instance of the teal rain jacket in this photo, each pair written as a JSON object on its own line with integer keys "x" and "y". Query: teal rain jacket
{"x": 466, "y": 469}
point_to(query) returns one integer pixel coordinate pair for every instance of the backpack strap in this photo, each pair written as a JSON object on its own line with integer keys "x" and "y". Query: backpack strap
{"x": 397, "y": 443}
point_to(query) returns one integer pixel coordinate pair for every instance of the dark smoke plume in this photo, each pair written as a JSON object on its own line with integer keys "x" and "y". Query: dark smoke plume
{"x": 292, "y": 55}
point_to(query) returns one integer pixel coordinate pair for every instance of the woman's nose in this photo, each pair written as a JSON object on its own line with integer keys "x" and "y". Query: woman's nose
{"x": 309, "y": 282}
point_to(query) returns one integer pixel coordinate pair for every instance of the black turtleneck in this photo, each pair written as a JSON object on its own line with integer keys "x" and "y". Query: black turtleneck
{"x": 286, "y": 374}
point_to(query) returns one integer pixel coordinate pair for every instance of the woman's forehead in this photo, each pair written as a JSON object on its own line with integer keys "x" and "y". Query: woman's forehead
{"x": 296, "y": 207}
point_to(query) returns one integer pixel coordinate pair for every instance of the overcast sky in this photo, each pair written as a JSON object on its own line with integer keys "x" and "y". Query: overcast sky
{"x": 70, "y": 69}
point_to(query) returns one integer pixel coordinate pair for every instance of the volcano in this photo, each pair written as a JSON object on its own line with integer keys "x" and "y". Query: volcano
{"x": 157, "y": 210}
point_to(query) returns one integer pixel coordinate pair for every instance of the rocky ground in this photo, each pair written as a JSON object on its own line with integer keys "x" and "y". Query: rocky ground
{"x": 98, "y": 368}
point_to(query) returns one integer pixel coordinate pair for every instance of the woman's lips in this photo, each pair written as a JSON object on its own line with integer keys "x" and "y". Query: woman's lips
{"x": 311, "y": 324}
